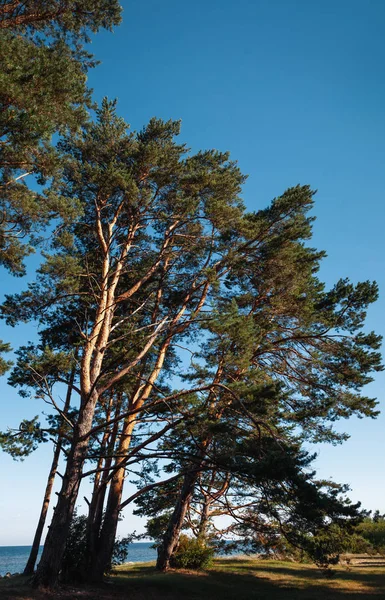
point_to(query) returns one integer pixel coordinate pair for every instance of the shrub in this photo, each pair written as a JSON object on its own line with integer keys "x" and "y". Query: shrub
{"x": 373, "y": 530}
{"x": 74, "y": 563}
{"x": 192, "y": 553}
{"x": 120, "y": 551}
{"x": 326, "y": 547}
{"x": 74, "y": 559}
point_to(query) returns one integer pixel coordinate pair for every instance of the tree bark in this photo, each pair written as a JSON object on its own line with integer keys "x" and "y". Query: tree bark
{"x": 105, "y": 545}
{"x": 95, "y": 509}
{"x": 205, "y": 516}
{"x": 101, "y": 561}
{"x": 47, "y": 573}
{"x": 30, "y": 566}
{"x": 171, "y": 536}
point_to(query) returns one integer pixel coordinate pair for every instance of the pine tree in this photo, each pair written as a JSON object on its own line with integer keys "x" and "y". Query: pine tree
{"x": 151, "y": 228}
{"x": 43, "y": 92}
{"x": 277, "y": 327}
{"x": 162, "y": 254}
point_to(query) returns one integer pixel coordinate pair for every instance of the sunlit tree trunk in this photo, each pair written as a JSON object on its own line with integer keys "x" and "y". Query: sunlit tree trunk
{"x": 30, "y": 566}
{"x": 50, "y": 563}
{"x": 171, "y": 536}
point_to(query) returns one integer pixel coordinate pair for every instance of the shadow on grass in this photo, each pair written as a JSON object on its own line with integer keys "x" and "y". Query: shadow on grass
{"x": 249, "y": 580}
{"x": 227, "y": 580}
{"x": 368, "y": 576}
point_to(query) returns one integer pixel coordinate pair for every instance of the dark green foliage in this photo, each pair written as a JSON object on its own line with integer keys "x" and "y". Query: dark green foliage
{"x": 74, "y": 559}
{"x": 42, "y": 92}
{"x": 161, "y": 255}
{"x": 372, "y": 530}
{"x": 156, "y": 526}
{"x": 74, "y": 562}
{"x": 21, "y": 442}
{"x": 327, "y": 545}
{"x": 4, "y": 364}
{"x": 38, "y": 368}
{"x": 58, "y": 17}
{"x": 36, "y": 372}
{"x": 192, "y": 553}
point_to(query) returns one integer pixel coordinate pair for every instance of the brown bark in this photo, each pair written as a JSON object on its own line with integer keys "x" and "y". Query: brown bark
{"x": 210, "y": 497}
{"x": 205, "y": 516}
{"x": 49, "y": 567}
{"x": 171, "y": 536}
{"x": 28, "y": 18}
{"x": 92, "y": 388}
{"x": 30, "y": 566}
{"x": 95, "y": 512}
{"x": 105, "y": 544}
{"x": 48, "y": 570}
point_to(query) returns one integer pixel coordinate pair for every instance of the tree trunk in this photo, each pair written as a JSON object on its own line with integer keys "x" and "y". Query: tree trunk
{"x": 171, "y": 536}
{"x": 95, "y": 513}
{"x": 95, "y": 507}
{"x": 105, "y": 545}
{"x": 205, "y": 516}
{"x": 30, "y": 566}
{"x": 49, "y": 567}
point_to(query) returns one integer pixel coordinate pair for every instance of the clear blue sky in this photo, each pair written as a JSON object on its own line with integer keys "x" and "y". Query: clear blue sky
{"x": 295, "y": 90}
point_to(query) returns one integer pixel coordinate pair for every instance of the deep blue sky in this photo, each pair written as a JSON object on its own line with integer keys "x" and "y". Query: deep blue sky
{"x": 296, "y": 91}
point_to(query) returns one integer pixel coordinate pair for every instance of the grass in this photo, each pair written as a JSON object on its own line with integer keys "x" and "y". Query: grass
{"x": 228, "y": 579}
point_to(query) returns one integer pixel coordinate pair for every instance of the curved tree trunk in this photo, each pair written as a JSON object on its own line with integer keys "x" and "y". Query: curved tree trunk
{"x": 30, "y": 566}
{"x": 171, "y": 536}
{"x": 102, "y": 560}
{"x": 105, "y": 545}
{"x": 95, "y": 513}
{"x": 48, "y": 570}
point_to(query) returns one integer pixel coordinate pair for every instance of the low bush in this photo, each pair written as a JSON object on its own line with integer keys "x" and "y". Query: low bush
{"x": 192, "y": 553}
{"x": 74, "y": 562}
{"x": 74, "y": 559}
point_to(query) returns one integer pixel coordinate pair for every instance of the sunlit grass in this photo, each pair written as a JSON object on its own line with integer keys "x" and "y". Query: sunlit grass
{"x": 246, "y": 578}
{"x": 228, "y": 579}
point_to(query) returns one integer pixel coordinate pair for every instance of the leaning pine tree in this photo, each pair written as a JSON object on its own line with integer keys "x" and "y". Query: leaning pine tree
{"x": 277, "y": 327}
{"x": 143, "y": 258}
{"x": 162, "y": 251}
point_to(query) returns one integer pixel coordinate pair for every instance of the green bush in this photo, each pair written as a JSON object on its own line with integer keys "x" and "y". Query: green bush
{"x": 326, "y": 547}
{"x": 74, "y": 564}
{"x": 74, "y": 559}
{"x": 373, "y": 530}
{"x": 192, "y": 553}
{"x": 120, "y": 551}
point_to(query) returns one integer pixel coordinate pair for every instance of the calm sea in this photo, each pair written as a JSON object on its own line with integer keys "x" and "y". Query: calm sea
{"x": 14, "y": 558}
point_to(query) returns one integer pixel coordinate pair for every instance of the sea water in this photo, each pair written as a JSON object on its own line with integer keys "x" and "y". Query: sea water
{"x": 14, "y": 558}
